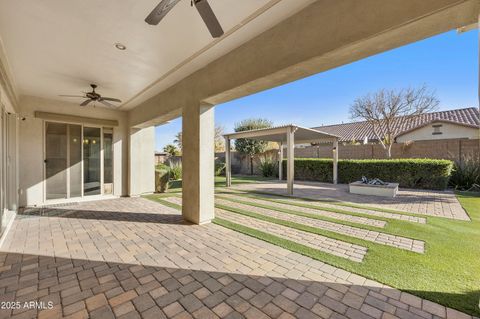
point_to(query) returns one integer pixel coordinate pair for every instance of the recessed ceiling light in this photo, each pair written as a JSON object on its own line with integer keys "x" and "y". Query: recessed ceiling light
{"x": 120, "y": 46}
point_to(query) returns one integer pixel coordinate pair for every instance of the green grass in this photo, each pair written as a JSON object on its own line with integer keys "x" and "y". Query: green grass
{"x": 176, "y": 185}
{"x": 326, "y": 201}
{"x": 294, "y": 211}
{"x": 448, "y": 272}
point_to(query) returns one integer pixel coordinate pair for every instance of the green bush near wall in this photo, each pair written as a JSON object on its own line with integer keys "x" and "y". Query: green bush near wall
{"x": 161, "y": 180}
{"x": 409, "y": 173}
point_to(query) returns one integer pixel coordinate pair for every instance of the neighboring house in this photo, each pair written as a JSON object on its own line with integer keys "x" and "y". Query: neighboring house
{"x": 160, "y": 157}
{"x": 452, "y": 124}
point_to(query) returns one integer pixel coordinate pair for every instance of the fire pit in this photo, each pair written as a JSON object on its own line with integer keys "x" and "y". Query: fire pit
{"x": 374, "y": 187}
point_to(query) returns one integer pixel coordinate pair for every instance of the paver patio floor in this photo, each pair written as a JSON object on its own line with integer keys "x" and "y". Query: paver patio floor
{"x": 426, "y": 202}
{"x": 148, "y": 263}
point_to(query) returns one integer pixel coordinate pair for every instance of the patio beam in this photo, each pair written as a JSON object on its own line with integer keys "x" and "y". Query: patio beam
{"x": 322, "y": 36}
{"x": 198, "y": 163}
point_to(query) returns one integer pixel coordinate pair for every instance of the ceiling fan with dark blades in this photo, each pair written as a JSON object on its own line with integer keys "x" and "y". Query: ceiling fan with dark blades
{"x": 95, "y": 97}
{"x": 203, "y": 8}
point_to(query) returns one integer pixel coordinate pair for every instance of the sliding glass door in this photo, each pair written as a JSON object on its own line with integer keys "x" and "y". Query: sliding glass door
{"x": 63, "y": 165}
{"x": 56, "y": 160}
{"x": 74, "y": 160}
{"x": 91, "y": 161}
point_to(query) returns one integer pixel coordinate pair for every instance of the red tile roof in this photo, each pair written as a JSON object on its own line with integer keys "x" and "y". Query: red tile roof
{"x": 359, "y": 130}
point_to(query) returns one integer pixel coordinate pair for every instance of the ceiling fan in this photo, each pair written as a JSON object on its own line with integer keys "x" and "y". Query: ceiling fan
{"x": 203, "y": 8}
{"x": 94, "y": 96}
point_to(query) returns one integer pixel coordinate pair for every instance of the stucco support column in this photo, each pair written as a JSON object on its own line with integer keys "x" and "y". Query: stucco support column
{"x": 198, "y": 156}
{"x": 280, "y": 159}
{"x": 290, "y": 159}
{"x": 141, "y": 161}
{"x": 335, "y": 161}
{"x": 228, "y": 163}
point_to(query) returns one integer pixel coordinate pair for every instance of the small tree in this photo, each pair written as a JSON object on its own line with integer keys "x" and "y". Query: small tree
{"x": 219, "y": 142}
{"x": 250, "y": 147}
{"x": 178, "y": 140}
{"x": 382, "y": 108}
{"x": 171, "y": 150}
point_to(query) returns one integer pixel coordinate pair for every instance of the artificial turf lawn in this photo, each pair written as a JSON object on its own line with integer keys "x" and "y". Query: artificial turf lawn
{"x": 448, "y": 272}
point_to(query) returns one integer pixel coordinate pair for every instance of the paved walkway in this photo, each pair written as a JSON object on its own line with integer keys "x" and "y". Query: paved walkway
{"x": 370, "y": 212}
{"x": 312, "y": 211}
{"x": 369, "y": 235}
{"x": 426, "y": 202}
{"x": 88, "y": 264}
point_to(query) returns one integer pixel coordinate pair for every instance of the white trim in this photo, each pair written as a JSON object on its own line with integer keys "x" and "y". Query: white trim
{"x": 7, "y": 228}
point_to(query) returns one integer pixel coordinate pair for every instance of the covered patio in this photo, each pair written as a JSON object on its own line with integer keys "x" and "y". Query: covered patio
{"x": 286, "y": 136}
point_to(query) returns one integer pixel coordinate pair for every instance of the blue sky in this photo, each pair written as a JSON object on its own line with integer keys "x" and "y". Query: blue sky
{"x": 447, "y": 63}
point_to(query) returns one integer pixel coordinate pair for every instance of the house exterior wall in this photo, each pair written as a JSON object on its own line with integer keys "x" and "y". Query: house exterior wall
{"x": 447, "y": 130}
{"x": 31, "y": 145}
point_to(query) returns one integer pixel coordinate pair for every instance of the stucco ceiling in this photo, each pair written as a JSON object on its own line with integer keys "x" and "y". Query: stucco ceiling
{"x": 59, "y": 47}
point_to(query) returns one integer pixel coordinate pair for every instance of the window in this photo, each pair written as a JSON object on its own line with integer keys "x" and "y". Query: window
{"x": 437, "y": 129}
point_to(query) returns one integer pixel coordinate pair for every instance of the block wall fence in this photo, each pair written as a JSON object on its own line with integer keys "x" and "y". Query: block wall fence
{"x": 458, "y": 150}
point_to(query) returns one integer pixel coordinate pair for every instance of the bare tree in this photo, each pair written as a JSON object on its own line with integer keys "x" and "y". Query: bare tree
{"x": 382, "y": 109}
{"x": 219, "y": 140}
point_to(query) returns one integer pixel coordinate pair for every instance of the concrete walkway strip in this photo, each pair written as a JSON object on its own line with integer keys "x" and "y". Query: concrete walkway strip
{"x": 364, "y": 234}
{"x": 313, "y": 211}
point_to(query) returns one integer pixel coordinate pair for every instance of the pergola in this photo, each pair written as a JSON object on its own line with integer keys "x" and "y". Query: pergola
{"x": 287, "y": 135}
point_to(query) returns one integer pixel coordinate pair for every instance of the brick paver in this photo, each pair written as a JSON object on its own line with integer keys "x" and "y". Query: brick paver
{"x": 325, "y": 244}
{"x": 424, "y": 202}
{"x": 324, "y": 204}
{"x": 339, "y": 216}
{"x": 369, "y": 235}
{"x": 322, "y": 243}
{"x": 204, "y": 271}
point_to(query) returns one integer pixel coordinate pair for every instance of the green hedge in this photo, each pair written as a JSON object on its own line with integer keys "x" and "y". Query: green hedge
{"x": 410, "y": 173}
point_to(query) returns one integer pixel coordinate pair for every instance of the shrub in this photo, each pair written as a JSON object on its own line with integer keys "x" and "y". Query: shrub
{"x": 219, "y": 168}
{"x": 161, "y": 167}
{"x": 465, "y": 175}
{"x": 161, "y": 180}
{"x": 268, "y": 166}
{"x": 175, "y": 170}
{"x": 409, "y": 173}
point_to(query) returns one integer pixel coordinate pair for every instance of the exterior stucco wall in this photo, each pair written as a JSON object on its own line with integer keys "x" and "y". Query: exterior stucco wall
{"x": 31, "y": 145}
{"x": 448, "y": 131}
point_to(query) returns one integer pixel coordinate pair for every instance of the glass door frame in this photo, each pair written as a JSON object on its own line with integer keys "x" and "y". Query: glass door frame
{"x": 82, "y": 125}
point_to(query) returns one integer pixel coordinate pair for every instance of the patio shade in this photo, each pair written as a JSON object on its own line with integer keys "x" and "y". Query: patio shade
{"x": 288, "y": 135}
{"x": 278, "y": 134}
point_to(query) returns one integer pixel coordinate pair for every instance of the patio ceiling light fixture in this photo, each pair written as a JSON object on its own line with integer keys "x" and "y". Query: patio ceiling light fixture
{"x": 120, "y": 46}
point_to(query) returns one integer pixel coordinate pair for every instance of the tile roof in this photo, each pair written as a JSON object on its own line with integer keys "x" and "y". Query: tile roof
{"x": 359, "y": 130}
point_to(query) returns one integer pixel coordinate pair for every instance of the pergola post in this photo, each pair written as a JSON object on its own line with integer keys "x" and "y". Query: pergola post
{"x": 228, "y": 162}
{"x": 335, "y": 161}
{"x": 280, "y": 159}
{"x": 290, "y": 159}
